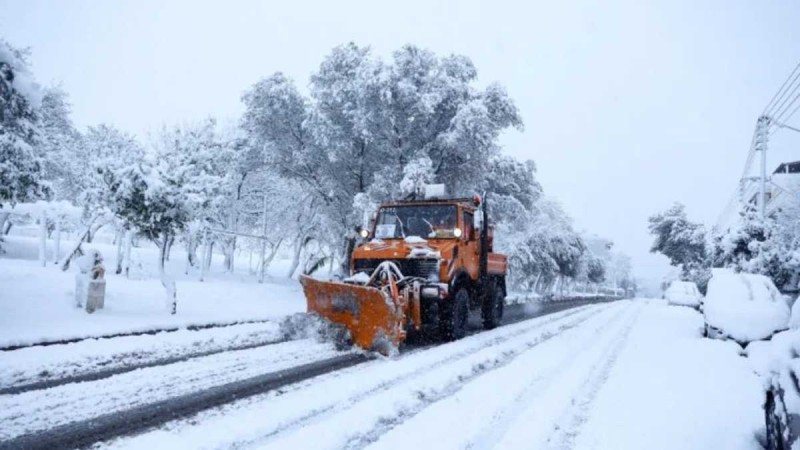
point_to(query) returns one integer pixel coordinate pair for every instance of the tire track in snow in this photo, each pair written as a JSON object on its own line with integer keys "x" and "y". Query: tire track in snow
{"x": 551, "y": 417}
{"x": 321, "y": 414}
{"x": 42, "y": 367}
{"x": 280, "y": 412}
{"x": 469, "y": 403}
{"x": 414, "y": 391}
{"x": 572, "y": 420}
{"x": 106, "y": 373}
{"x": 35, "y": 411}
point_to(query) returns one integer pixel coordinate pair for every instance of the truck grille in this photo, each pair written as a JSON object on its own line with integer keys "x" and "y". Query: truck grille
{"x": 418, "y": 267}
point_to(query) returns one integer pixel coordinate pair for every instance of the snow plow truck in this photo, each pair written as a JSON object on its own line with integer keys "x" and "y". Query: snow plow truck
{"x": 423, "y": 264}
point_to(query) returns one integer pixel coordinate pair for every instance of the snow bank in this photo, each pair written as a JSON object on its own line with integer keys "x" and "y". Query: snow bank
{"x": 744, "y": 306}
{"x": 683, "y": 293}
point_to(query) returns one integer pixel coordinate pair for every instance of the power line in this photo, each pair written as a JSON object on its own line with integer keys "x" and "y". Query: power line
{"x": 775, "y": 98}
{"x": 785, "y": 105}
{"x": 782, "y": 110}
{"x": 792, "y": 113}
{"x": 779, "y": 121}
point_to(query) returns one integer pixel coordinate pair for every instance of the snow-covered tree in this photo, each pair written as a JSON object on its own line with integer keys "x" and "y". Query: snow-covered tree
{"x": 196, "y": 161}
{"x": 151, "y": 201}
{"x": 680, "y": 240}
{"x": 367, "y": 120}
{"x": 104, "y": 151}
{"x": 683, "y": 242}
{"x": 20, "y": 129}
{"x": 595, "y": 269}
{"x": 768, "y": 246}
{"x": 62, "y": 144}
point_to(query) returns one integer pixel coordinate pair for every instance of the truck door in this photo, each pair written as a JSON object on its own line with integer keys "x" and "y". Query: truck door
{"x": 471, "y": 245}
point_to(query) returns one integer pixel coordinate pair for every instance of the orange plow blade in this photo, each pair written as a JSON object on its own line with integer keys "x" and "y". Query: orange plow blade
{"x": 374, "y": 320}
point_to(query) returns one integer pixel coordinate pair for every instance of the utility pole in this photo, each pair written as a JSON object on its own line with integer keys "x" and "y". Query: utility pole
{"x": 761, "y": 143}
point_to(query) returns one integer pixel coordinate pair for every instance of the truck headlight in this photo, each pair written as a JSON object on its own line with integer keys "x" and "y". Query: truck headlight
{"x": 430, "y": 292}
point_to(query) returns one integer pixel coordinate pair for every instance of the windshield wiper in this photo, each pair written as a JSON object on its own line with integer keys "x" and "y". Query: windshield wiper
{"x": 402, "y": 231}
{"x": 433, "y": 231}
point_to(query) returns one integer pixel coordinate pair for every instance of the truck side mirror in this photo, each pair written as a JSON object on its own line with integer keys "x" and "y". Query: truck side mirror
{"x": 477, "y": 220}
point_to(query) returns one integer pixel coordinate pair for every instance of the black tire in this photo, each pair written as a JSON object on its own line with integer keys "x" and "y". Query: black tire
{"x": 493, "y": 306}
{"x": 453, "y": 315}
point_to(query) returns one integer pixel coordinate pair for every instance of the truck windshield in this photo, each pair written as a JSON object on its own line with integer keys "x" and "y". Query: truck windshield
{"x": 426, "y": 221}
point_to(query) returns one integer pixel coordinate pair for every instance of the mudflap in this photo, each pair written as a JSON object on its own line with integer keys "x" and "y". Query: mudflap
{"x": 375, "y": 322}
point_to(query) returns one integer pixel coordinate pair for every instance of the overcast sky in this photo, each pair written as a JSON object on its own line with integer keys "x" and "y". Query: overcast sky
{"x": 627, "y": 107}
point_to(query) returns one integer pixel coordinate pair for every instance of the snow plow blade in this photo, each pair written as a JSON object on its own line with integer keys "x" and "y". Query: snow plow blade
{"x": 375, "y": 322}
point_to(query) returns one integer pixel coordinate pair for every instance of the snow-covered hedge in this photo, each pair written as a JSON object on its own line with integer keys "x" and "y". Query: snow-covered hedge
{"x": 745, "y": 307}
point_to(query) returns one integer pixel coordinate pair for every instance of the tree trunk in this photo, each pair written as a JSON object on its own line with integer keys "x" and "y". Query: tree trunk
{"x": 268, "y": 260}
{"x": 210, "y": 255}
{"x": 43, "y": 239}
{"x": 3, "y": 219}
{"x": 162, "y": 255}
{"x": 536, "y": 281}
{"x": 170, "y": 242}
{"x": 57, "y": 249}
{"x": 349, "y": 246}
{"x": 126, "y": 264}
{"x": 228, "y": 249}
{"x": 298, "y": 248}
{"x": 191, "y": 252}
{"x": 76, "y": 251}
{"x": 168, "y": 283}
{"x": 119, "y": 238}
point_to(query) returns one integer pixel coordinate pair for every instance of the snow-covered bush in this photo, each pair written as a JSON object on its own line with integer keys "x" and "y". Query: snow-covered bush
{"x": 769, "y": 246}
{"x": 683, "y": 293}
{"x": 745, "y": 307}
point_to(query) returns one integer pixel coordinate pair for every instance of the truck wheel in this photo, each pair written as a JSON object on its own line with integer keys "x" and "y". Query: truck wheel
{"x": 492, "y": 307}
{"x": 453, "y": 316}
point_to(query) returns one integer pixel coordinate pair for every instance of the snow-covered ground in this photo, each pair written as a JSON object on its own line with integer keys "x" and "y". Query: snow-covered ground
{"x": 631, "y": 374}
{"x": 37, "y": 303}
{"x": 627, "y": 374}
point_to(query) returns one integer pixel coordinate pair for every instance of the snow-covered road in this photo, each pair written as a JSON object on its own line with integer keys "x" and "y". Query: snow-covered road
{"x": 622, "y": 375}
{"x": 628, "y": 374}
{"x": 42, "y": 409}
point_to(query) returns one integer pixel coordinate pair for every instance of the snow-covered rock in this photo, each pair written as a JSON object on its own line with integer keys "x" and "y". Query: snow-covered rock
{"x": 745, "y": 307}
{"x": 683, "y": 293}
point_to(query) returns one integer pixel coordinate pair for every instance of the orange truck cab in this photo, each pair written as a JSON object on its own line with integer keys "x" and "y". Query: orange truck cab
{"x": 447, "y": 245}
